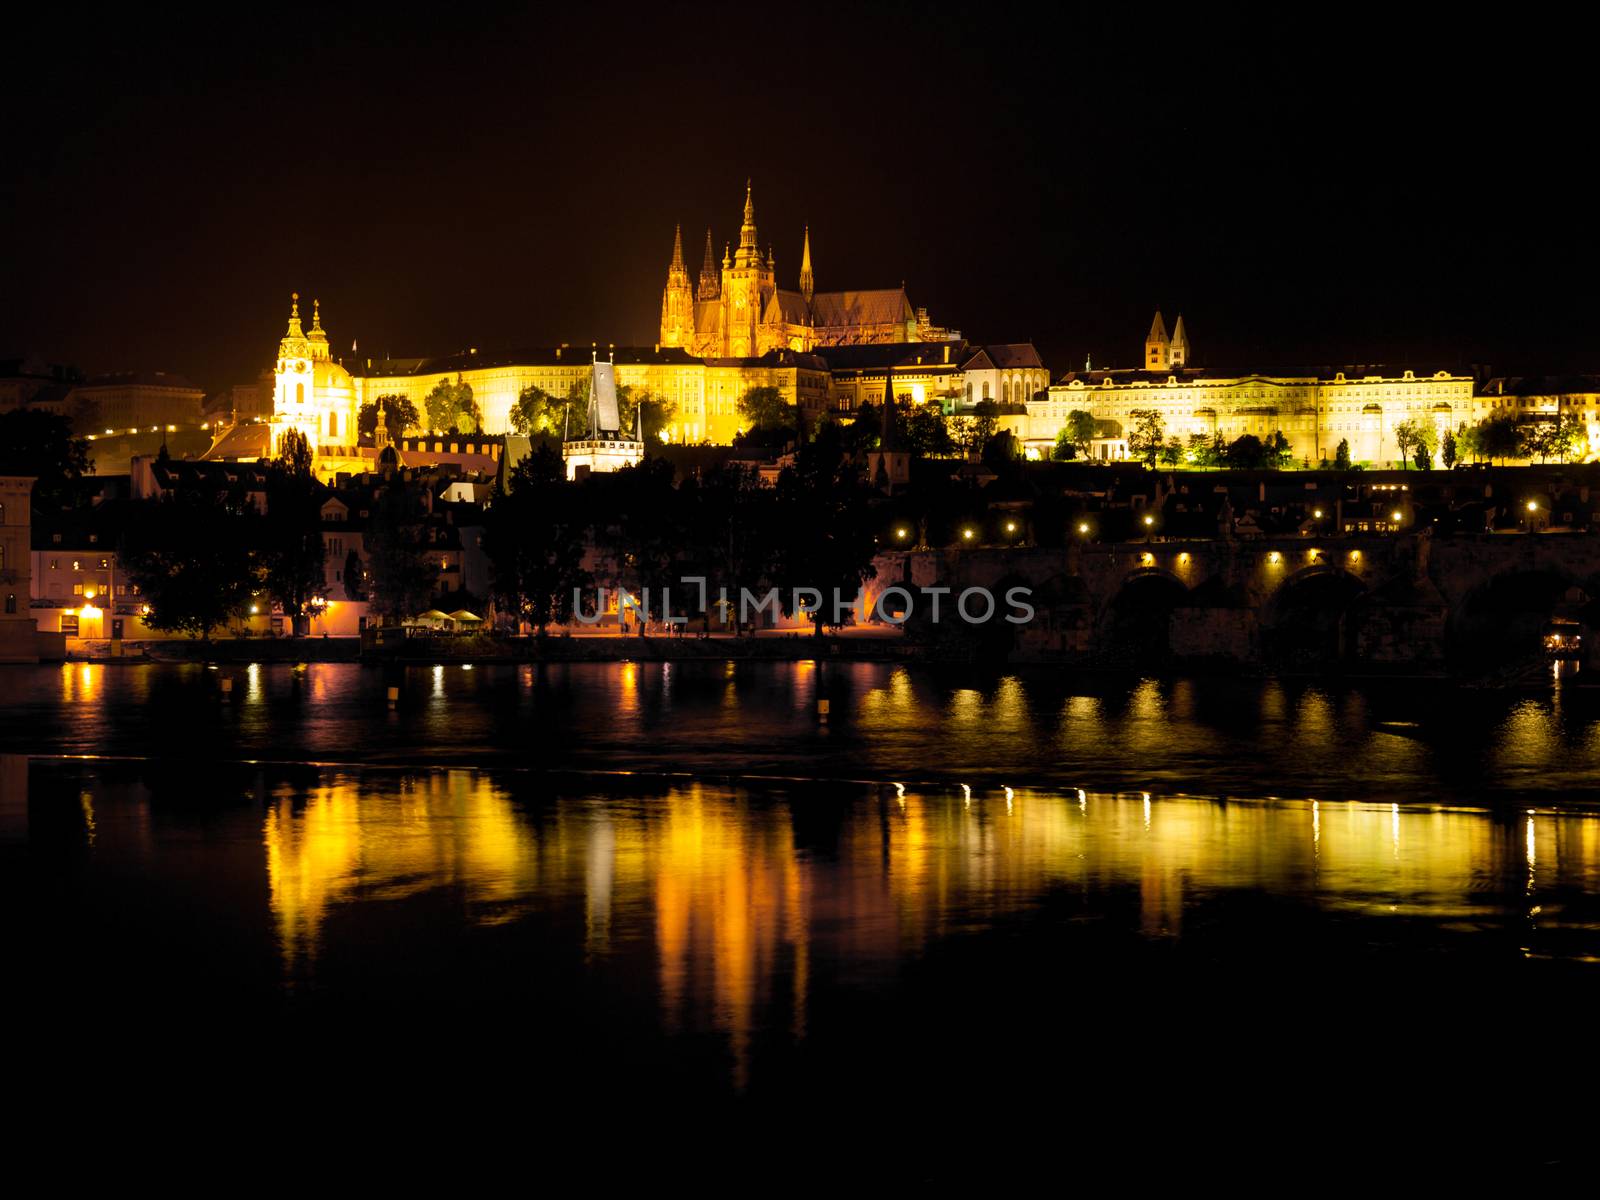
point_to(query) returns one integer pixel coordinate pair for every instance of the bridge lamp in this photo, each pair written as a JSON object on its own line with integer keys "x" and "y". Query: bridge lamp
{"x": 1533, "y": 506}
{"x": 1083, "y": 527}
{"x": 1311, "y": 555}
{"x": 1396, "y": 514}
{"x": 1149, "y": 521}
{"x": 1274, "y": 558}
{"x": 1184, "y": 558}
{"x": 1147, "y": 558}
{"x": 1317, "y": 513}
{"x": 966, "y": 535}
{"x": 1011, "y": 526}
{"x": 1355, "y": 556}
{"x": 254, "y": 609}
{"x": 902, "y": 533}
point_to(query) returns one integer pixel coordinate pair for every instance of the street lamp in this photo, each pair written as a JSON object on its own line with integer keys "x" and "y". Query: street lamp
{"x": 1083, "y": 527}
{"x": 966, "y": 535}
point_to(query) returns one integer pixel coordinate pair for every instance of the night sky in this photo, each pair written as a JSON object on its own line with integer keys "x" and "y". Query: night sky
{"x": 1335, "y": 187}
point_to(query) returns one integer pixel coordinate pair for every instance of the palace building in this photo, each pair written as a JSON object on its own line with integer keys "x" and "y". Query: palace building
{"x": 741, "y": 312}
{"x": 1315, "y": 409}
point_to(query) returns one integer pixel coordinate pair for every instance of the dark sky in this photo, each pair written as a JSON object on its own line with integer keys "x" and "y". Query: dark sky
{"x": 1341, "y": 186}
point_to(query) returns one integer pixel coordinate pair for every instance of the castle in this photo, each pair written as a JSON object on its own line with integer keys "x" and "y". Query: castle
{"x": 1316, "y": 408}
{"x": 743, "y": 313}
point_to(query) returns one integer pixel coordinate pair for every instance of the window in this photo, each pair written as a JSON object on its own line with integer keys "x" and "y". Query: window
{"x": 69, "y": 624}
{"x": 77, "y": 589}
{"x": 11, "y": 602}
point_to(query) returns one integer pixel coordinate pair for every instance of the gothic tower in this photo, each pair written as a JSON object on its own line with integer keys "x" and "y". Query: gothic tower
{"x": 1180, "y": 344}
{"x": 746, "y": 284}
{"x": 710, "y": 289}
{"x": 1157, "y": 346}
{"x": 677, "y": 300}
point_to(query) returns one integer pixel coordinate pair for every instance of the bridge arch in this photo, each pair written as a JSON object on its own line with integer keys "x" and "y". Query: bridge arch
{"x": 1136, "y": 620}
{"x": 1310, "y": 617}
{"x": 1505, "y": 618}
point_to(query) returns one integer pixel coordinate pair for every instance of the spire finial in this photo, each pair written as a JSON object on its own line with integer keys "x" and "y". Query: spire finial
{"x": 807, "y": 283}
{"x": 316, "y": 315}
{"x": 748, "y": 252}
{"x": 677, "y": 249}
{"x": 294, "y": 316}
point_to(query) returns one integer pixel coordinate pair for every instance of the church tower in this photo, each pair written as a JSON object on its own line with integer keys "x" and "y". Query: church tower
{"x": 677, "y": 301}
{"x": 746, "y": 284}
{"x": 808, "y": 285}
{"x": 710, "y": 289}
{"x": 1157, "y": 346}
{"x": 1180, "y": 344}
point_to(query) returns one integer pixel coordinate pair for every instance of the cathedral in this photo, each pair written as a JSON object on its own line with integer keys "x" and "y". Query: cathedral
{"x": 741, "y": 312}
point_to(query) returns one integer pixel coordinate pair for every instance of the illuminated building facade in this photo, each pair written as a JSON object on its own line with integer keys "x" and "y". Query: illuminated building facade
{"x": 1315, "y": 410}
{"x": 741, "y": 312}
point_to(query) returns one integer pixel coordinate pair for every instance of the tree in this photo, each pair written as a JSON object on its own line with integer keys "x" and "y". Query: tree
{"x": 401, "y": 578}
{"x": 189, "y": 555}
{"x": 1341, "y": 456}
{"x": 355, "y": 576}
{"x": 36, "y": 442}
{"x": 537, "y": 411}
{"x": 765, "y": 408}
{"x": 1065, "y": 448}
{"x": 638, "y": 524}
{"x": 1003, "y": 447}
{"x": 1148, "y": 434}
{"x": 1245, "y": 453}
{"x": 972, "y": 431}
{"x": 1569, "y": 437}
{"x": 1498, "y": 438}
{"x": 1080, "y": 429}
{"x": 1207, "y": 450}
{"x": 732, "y": 524}
{"x": 1276, "y": 451}
{"x": 825, "y": 538}
{"x": 399, "y": 415}
{"x": 450, "y": 406}
{"x": 1405, "y": 437}
{"x": 535, "y": 537}
{"x": 1172, "y": 451}
{"x": 291, "y": 549}
{"x": 639, "y": 410}
{"x": 927, "y": 432}
{"x": 1447, "y": 450}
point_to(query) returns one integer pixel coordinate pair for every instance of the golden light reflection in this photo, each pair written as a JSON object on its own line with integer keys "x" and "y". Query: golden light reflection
{"x": 713, "y": 889}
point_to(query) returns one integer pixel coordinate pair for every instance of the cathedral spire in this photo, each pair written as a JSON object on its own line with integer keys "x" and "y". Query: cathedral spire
{"x": 710, "y": 285}
{"x": 749, "y": 252}
{"x": 677, "y": 250}
{"x": 294, "y": 317}
{"x": 807, "y": 283}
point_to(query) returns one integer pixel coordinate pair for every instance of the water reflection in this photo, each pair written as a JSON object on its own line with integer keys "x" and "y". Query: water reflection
{"x": 1399, "y": 742}
{"x": 735, "y": 897}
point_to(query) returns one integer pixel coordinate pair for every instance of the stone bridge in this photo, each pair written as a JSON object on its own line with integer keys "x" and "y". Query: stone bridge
{"x": 1406, "y": 599}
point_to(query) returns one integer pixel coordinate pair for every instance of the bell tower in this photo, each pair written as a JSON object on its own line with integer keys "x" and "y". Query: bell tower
{"x": 677, "y": 301}
{"x": 1157, "y": 346}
